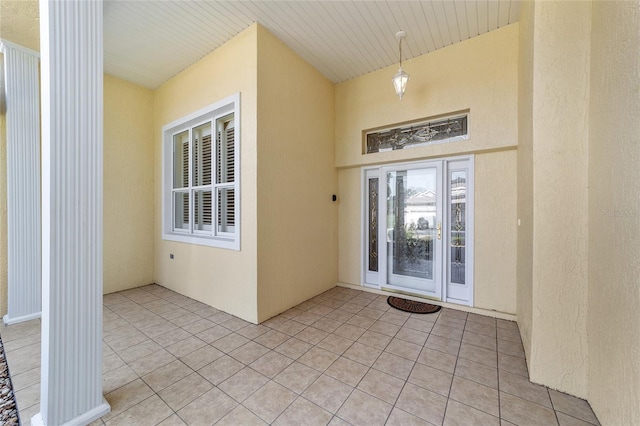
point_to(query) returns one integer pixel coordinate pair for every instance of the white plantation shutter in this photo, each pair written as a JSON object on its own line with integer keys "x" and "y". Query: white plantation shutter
{"x": 230, "y": 214}
{"x": 203, "y": 208}
{"x": 206, "y": 160}
{"x": 201, "y": 185}
{"x": 225, "y": 174}
{"x": 202, "y": 155}
{"x": 207, "y": 199}
{"x": 225, "y": 152}
{"x": 219, "y": 156}
{"x": 230, "y": 147}
{"x": 185, "y": 179}
{"x": 207, "y": 202}
{"x": 226, "y": 209}
{"x": 185, "y": 162}
{"x": 180, "y": 179}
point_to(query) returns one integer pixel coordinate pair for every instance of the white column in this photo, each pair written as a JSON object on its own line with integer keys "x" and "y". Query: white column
{"x": 23, "y": 183}
{"x": 72, "y": 123}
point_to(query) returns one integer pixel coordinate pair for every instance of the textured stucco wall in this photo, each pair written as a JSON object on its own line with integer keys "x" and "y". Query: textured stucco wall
{"x": 297, "y": 219}
{"x": 128, "y": 185}
{"x": 495, "y": 231}
{"x": 561, "y": 42}
{"x": 525, "y": 174}
{"x": 614, "y": 214}
{"x": 479, "y": 74}
{"x": 350, "y": 226}
{"x": 128, "y": 166}
{"x": 20, "y": 22}
{"x": 225, "y": 279}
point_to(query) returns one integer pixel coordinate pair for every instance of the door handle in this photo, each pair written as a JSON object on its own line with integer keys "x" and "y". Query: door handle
{"x": 439, "y": 230}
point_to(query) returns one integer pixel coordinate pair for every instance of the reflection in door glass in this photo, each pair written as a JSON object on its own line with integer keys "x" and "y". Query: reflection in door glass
{"x": 411, "y": 217}
{"x": 458, "y": 209}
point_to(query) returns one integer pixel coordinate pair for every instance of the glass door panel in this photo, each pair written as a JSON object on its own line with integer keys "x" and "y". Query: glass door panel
{"x": 372, "y": 190}
{"x": 459, "y": 239}
{"x": 414, "y": 229}
{"x": 457, "y": 222}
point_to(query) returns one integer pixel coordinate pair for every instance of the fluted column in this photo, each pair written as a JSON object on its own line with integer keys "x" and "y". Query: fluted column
{"x": 72, "y": 123}
{"x": 23, "y": 183}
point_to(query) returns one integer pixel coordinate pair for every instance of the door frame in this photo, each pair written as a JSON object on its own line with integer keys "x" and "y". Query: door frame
{"x": 450, "y": 292}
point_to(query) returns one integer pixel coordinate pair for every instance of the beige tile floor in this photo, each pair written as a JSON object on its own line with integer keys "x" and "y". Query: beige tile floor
{"x": 343, "y": 357}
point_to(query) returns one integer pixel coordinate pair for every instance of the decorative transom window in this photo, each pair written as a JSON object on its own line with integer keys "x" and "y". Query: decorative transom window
{"x": 201, "y": 191}
{"x": 424, "y": 132}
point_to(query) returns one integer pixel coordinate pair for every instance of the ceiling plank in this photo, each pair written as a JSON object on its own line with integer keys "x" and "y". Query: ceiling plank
{"x": 148, "y": 42}
{"x": 472, "y": 18}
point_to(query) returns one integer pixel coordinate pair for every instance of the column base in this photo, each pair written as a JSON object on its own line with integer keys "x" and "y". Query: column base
{"x": 81, "y": 420}
{"x": 8, "y": 321}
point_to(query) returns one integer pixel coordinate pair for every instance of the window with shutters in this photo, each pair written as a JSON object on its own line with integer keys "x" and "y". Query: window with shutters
{"x": 200, "y": 183}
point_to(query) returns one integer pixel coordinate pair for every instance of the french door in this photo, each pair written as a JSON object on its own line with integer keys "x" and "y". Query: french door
{"x": 418, "y": 229}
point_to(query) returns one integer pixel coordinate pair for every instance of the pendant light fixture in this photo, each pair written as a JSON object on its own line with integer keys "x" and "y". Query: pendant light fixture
{"x": 401, "y": 78}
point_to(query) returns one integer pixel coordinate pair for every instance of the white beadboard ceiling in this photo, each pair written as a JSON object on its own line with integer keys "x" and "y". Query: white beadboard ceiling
{"x": 148, "y": 42}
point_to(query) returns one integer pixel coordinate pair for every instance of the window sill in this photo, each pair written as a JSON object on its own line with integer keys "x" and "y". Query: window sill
{"x": 218, "y": 242}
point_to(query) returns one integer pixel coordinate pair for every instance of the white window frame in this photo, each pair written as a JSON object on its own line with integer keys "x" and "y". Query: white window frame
{"x": 212, "y": 238}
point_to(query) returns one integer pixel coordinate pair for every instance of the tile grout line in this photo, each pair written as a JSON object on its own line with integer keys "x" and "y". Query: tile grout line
{"x": 498, "y": 374}
{"x": 346, "y": 350}
{"x": 382, "y": 350}
{"x": 553, "y": 407}
{"x": 295, "y": 360}
{"x": 371, "y": 368}
{"x": 174, "y": 412}
{"x": 140, "y": 377}
{"x": 129, "y": 316}
{"x": 453, "y": 375}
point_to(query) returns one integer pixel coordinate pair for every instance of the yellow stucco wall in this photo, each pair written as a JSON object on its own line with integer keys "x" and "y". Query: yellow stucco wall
{"x": 495, "y": 231}
{"x": 297, "y": 219}
{"x": 20, "y": 22}
{"x": 225, "y": 279}
{"x": 558, "y": 354}
{"x": 350, "y": 225}
{"x": 128, "y": 189}
{"x": 128, "y": 173}
{"x": 479, "y": 75}
{"x": 525, "y": 175}
{"x": 128, "y": 185}
{"x": 578, "y": 287}
{"x": 614, "y": 214}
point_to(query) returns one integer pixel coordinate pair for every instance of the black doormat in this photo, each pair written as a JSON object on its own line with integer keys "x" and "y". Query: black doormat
{"x": 412, "y": 306}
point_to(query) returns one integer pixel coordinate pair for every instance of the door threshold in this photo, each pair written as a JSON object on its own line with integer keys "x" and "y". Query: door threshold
{"x": 408, "y": 293}
{"x": 449, "y": 305}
